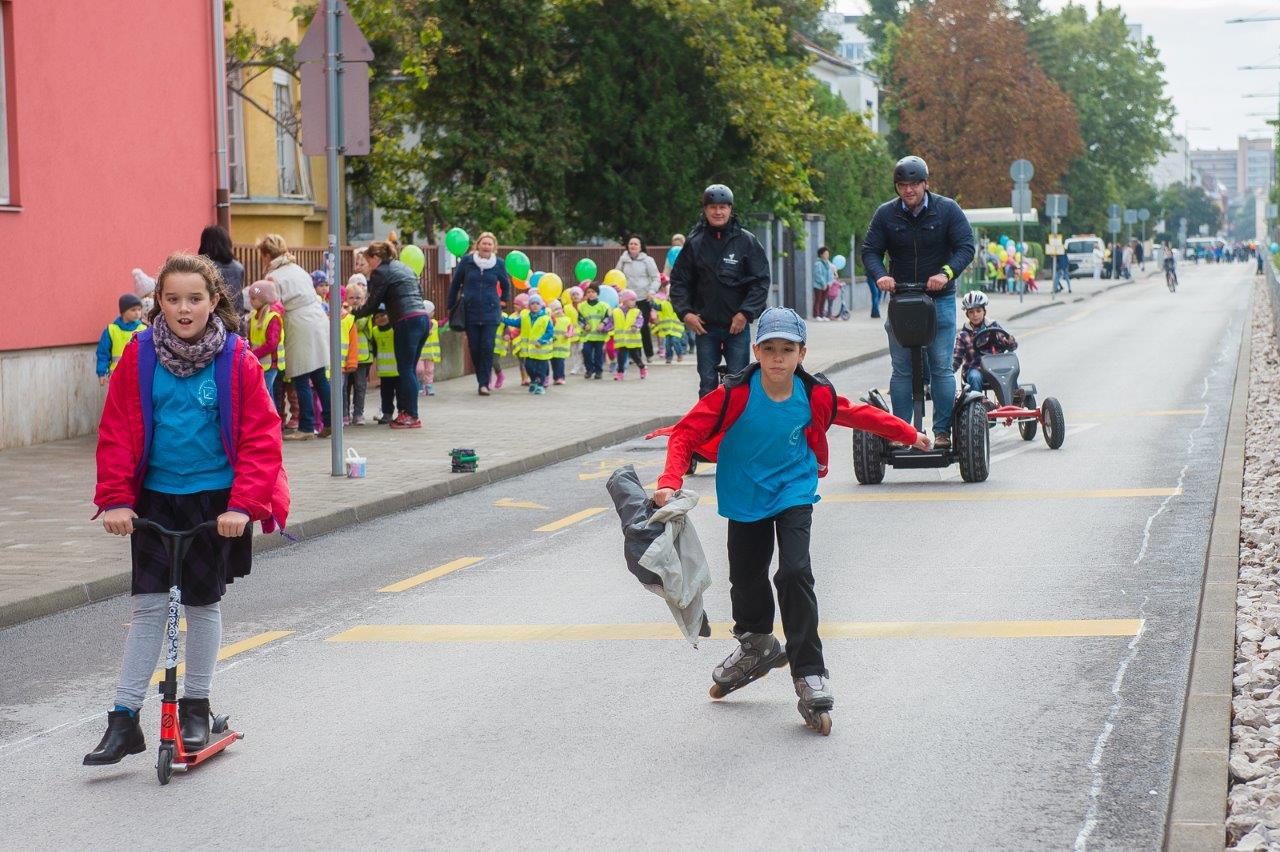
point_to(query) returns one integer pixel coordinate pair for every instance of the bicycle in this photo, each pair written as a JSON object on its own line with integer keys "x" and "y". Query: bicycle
{"x": 1171, "y": 279}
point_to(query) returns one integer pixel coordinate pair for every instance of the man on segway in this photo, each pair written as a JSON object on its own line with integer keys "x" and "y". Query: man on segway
{"x": 928, "y": 240}
{"x": 719, "y": 285}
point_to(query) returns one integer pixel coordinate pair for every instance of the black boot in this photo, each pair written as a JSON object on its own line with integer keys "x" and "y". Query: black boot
{"x": 193, "y": 717}
{"x": 123, "y": 736}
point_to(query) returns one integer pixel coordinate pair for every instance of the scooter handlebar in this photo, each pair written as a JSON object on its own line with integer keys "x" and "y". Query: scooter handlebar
{"x": 146, "y": 524}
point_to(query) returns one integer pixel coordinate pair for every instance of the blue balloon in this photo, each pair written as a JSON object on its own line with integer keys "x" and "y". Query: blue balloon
{"x": 672, "y": 254}
{"x": 534, "y": 279}
{"x": 609, "y": 295}
{"x": 1275, "y": 247}
{"x": 839, "y": 262}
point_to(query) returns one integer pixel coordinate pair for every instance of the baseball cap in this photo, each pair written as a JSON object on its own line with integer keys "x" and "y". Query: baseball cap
{"x": 781, "y": 323}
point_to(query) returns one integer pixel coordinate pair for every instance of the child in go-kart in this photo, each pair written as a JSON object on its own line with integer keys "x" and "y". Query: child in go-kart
{"x": 978, "y": 337}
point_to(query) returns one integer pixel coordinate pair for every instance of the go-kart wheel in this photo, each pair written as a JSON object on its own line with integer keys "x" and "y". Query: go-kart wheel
{"x": 693, "y": 467}
{"x": 1055, "y": 425}
{"x": 164, "y": 764}
{"x": 972, "y": 443}
{"x": 868, "y": 457}
{"x": 1027, "y": 428}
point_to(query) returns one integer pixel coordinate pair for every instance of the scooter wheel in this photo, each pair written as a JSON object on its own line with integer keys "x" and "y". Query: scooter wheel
{"x": 219, "y": 725}
{"x": 164, "y": 764}
{"x": 717, "y": 691}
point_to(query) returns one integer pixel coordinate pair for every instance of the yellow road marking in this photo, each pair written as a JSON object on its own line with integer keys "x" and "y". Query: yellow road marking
{"x": 968, "y": 495}
{"x": 1079, "y": 628}
{"x": 569, "y": 521}
{"x": 231, "y": 650}
{"x": 446, "y": 568}
{"x": 508, "y": 503}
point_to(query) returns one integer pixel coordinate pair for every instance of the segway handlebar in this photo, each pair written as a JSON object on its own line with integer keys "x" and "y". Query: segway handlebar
{"x": 909, "y": 287}
{"x": 145, "y": 524}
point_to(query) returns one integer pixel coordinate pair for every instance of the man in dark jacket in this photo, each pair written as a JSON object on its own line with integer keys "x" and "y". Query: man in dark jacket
{"x": 719, "y": 285}
{"x": 928, "y": 240}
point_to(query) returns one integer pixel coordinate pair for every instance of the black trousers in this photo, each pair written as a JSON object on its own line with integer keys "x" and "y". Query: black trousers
{"x": 480, "y": 342}
{"x": 390, "y": 390}
{"x": 750, "y": 555}
{"x": 646, "y": 333}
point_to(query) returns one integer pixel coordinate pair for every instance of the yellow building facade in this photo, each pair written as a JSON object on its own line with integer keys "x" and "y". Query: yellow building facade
{"x": 275, "y": 188}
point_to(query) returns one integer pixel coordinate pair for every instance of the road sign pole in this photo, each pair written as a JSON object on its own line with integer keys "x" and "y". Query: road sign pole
{"x": 1053, "y": 286}
{"x": 332, "y": 69}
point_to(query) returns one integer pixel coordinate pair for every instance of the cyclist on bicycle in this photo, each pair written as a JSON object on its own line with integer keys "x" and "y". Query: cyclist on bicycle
{"x": 1170, "y": 266}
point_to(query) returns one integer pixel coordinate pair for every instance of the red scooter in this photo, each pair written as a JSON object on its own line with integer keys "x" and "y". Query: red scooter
{"x": 172, "y": 754}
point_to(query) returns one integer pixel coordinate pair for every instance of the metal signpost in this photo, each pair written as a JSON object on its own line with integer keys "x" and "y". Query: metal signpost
{"x": 335, "y": 121}
{"x": 1113, "y": 225}
{"x": 1021, "y": 171}
{"x": 1055, "y": 205}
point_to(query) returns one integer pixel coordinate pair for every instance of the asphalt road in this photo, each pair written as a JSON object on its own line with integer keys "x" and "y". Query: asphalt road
{"x": 1008, "y": 658}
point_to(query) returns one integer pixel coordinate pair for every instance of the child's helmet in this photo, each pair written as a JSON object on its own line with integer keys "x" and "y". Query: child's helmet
{"x": 974, "y": 299}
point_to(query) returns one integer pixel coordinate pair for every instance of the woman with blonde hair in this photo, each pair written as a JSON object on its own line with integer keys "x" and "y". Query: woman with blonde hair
{"x": 480, "y": 288}
{"x": 306, "y": 336}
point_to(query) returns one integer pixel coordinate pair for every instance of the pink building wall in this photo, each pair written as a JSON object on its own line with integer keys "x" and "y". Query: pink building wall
{"x": 111, "y": 114}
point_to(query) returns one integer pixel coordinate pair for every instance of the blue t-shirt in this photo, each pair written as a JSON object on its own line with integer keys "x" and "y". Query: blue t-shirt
{"x": 672, "y": 254}
{"x": 764, "y": 465}
{"x": 187, "y": 455}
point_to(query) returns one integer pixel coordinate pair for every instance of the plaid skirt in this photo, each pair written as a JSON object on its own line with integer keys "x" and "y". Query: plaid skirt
{"x": 212, "y": 562}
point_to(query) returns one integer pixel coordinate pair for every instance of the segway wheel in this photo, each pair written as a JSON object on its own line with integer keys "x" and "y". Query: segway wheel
{"x": 973, "y": 448}
{"x": 1055, "y": 425}
{"x": 868, "y": 457}
{"x": 1027, "y": 428}
{"x": 164, "y": 764}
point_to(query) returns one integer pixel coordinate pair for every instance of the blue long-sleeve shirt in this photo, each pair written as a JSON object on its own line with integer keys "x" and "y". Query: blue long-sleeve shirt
{"x": 104, "y": 343}
{"x": 514, "y": 322}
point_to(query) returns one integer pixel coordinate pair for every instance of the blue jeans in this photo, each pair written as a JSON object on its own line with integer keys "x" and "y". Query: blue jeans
{"x": 410, "y": 334}
{"x": 974, "y": 379}
{"x": 674, "y": 345}
{"x": 269, "y": 379}
{"x": 937, "y": 365}
{"x": 303, "y": 385}
{"x": 1062, "y": 278}
{"x": 875, "y": 298}
{"x": 736, "y": 350}
{"x": 537, "y": 369}
{"x": 593, "y": 356}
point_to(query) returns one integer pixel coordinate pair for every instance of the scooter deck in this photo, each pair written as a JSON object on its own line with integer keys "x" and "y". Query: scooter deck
{"x": 216, "y": 744}
{"x": 908, "y": 459}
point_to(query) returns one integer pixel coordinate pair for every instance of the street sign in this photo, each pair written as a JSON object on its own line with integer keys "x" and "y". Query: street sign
{"x": 1272, "y": 211}
{"x": 1113, "y": 224}
{"x": 1113, "y": 210}
{"x": 1130, "y": 217}
{"x": 355, "y": 48}
{"x": 1055, "y": 205}
{"x": 1054, "y": 246}
{"x": 1022, "y": 171}
{"x": 354, "y": 78}
{"x": 1204, "y": 230}
{"x": 1144, "y": 214}
{"x": 1021, "y": 201}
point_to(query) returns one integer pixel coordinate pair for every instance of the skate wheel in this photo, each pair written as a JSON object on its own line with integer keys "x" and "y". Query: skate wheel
{"x": 717, "y": 691}
{"x": 823, "y": 724}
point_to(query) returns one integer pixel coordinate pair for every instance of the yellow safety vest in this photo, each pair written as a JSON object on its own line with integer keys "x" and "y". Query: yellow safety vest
{"x": 593, "y": 317}
{"x": 625, "y": 334}
{"x": 669, "y": 324}
{"x": 119, "y": 340}
{"x": 531, "y": 331}
{"x": 384, "y": 343}
{"x": 560, "y": 343}
{"x": 518, "y": 346}
{"x": 431, "y": 346}
{"x": 347, "y": 323}
{"x": 258, "y": 336}
{"x": 364, "y": 354}
{"x": 500, "y": 340}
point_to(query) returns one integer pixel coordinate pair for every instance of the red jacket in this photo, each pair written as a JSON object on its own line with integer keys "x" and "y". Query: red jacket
{"x": 702, "y": 429}
{"x": 248, "y": 421}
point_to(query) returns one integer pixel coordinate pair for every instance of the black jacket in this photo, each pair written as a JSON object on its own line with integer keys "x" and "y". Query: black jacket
{"x": 393, "y": 284}
{"x": 479, "y": 290}
{"x": 720, "y": 272}
{"x": 918, "y": 246}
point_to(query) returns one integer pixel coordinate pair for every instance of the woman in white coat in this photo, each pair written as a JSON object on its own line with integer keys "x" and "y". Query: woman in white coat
{"x": 306, "y": 335}
{"x": 642, "y": 277}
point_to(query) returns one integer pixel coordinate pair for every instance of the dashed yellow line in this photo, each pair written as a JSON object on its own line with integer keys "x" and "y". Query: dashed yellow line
{"x": 1069, "y": 629}
{"x": 425, "y": 576}
{"x": 231, "y": 650}
{"x": 570, "y": 520}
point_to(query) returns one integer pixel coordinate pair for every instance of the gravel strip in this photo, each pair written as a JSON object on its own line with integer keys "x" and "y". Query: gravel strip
{"x": 1253, "y": 809}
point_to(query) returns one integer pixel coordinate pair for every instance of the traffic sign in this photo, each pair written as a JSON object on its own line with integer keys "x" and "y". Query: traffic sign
{"x": 1113, "y": 224}
{"x": 354, "y": 78}
{"x": 1054, "y": 245}
{"x": 1055, "y": 205}
{"x": 1130, "y": 217}
{"x": 1144, "y": 214}
{"x": 355, "y": 48}
{"x": 1113, "y": 210}
{"x": 1022, "y": 171}
{"x": 1021, "y": 200}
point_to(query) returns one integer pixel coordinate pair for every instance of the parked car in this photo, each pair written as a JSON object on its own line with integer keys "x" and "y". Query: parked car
{"x": 1080, "y": 254}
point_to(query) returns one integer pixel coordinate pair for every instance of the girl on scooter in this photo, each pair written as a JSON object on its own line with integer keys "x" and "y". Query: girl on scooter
{"x": 188, "y": 434}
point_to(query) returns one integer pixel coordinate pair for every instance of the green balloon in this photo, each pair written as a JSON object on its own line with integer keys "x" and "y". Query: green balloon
{"x": 518, "y": 265}
{"x": 585, "y": 270}
{"x": 457, "y": 242}
{"x": 412, "y": 257}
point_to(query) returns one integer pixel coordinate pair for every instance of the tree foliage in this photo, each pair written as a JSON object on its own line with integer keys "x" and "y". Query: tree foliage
{"x": 1193, "y": 203}
{"x": 972, "y": 99}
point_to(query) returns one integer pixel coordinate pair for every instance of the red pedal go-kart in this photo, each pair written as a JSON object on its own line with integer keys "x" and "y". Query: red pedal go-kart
{"x": 1016, "y": 403}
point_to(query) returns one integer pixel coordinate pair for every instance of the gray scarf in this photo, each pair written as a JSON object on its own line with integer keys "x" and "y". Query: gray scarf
{"x": 186, "y": 359}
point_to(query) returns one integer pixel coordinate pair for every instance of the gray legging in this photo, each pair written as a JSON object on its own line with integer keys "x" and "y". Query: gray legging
{"x": 143, "y": 645}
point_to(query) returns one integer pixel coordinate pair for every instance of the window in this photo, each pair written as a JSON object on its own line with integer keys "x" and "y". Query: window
{"x": 4, "y": 112}
{"x": 235, "y": 136}
{"x": 289, "y": 162}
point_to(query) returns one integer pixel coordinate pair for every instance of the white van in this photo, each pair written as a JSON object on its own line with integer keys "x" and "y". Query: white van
{"x": 1080, "y": 254}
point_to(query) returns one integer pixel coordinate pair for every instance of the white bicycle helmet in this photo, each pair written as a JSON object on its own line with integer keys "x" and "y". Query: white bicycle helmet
{"x": 974, "y": 299}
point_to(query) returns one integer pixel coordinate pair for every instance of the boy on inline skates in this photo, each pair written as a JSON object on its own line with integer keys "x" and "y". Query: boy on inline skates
{"x": 976, "y": 337}
{"x": 767, "y": 429}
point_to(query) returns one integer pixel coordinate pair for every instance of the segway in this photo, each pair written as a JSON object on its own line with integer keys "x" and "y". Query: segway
{"x": 173, "y": 755}
{"x": 913, "y": 323}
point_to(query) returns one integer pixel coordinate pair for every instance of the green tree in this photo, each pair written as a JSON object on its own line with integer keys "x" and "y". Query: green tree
{"x": 1118, "y": 88}
{"x": 1194, "y": 204}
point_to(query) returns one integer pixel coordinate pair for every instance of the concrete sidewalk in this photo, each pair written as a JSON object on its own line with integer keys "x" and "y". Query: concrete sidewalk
{"x": 52, "y": 557}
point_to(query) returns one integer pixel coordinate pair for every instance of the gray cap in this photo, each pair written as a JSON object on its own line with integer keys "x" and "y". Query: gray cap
{"x": 782, "y": 323}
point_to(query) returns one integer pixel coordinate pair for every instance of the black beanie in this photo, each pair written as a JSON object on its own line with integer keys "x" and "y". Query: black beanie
{"x": 127, "y": 301}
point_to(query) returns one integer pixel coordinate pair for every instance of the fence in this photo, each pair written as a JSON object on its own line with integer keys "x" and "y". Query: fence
{"x": 435, "y": 286}
{"x": 1273, "y": 284}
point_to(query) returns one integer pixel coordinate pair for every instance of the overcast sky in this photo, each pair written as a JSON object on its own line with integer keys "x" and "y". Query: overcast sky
{"x": 1201, "y": 54}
